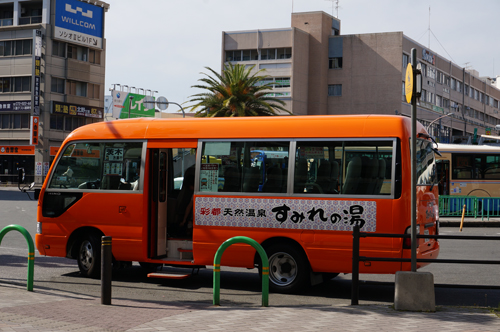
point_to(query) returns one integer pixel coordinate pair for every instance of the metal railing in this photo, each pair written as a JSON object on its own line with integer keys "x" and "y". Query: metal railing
{"x": 356, "y": 258}
{"x": 483, "y": 207}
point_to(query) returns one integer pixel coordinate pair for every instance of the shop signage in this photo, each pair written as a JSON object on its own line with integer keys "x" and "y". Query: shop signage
{"x": 79, "y": 22}
{"x": 53, "y": 150}
{"x": 37, "y": 56}
{"x": 34, "y": 130}
{"x": 9, "y": 106}
{"x": 124, "y": 108}
{"x": 26, "y": 150}
{"x": 77, "y": 110}
{"x": 428, "y": 56}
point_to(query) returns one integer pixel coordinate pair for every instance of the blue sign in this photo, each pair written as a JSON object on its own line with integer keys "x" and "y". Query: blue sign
{"x": 79, "y": 17}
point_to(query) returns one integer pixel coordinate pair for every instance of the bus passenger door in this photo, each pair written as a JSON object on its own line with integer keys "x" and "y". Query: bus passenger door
{"x": 443, "y": 176}
{"x": 158, "y": 203}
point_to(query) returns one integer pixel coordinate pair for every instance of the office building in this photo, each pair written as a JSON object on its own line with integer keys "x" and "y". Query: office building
{"x": 52, "y": 70}
{"x": 316, "y": 69}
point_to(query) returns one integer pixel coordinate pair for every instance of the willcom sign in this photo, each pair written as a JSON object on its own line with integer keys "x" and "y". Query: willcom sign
{"x": 79, "y": 22}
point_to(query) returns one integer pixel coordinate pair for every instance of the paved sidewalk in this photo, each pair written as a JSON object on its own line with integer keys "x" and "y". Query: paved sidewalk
{"x": 48, "y": 310}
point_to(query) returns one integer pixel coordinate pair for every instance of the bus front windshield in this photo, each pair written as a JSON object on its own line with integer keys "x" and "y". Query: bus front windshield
{"x": 426, "y": 163}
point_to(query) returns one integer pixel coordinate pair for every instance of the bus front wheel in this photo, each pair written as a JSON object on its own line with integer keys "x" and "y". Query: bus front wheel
{"x": 89, "y": 256}
{"x": 288, "y": 268}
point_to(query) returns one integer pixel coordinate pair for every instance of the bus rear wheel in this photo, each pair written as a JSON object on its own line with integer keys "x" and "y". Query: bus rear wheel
{"x": 89, "y": 256}
{"x": 288, "y": 268}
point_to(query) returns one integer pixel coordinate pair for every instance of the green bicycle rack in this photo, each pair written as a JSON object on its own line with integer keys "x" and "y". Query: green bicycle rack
{"x": 31, "y": 250}
{"x": 265, "y": 267}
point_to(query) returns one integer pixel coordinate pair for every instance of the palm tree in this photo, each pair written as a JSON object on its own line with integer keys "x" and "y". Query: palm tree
{"x": 235, "y": 93}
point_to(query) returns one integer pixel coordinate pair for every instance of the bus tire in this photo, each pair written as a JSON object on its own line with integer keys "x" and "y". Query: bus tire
{"x": 89, "y": 256}
{"x": 288, "y": 269}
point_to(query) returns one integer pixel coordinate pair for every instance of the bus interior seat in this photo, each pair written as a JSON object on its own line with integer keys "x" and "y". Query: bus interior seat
{"x": 353, "y": 174}
{"x": 231, "y": 180}
{"x": 300, "y": 176}
{"x": 334, "y": 178}
{"x": 251, "y": 179}
{"x": 111, "y": 182}
{"x": 369, "y": 176}
{"x": 273, "y": 181}
{"x": 323, "y": 177}
{"x": 381, "y": 176}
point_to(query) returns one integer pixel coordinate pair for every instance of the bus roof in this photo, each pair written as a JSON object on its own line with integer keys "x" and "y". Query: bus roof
{"x": 249, "y": 127}
{"x": 468, "y": 148}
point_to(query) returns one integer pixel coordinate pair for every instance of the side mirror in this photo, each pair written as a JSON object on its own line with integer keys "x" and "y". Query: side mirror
{"x": 37, "y": 192}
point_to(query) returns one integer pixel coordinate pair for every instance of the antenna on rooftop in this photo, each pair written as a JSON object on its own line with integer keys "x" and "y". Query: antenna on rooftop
{"x": 336, "y": 2}
{"x": 429, "y": 45}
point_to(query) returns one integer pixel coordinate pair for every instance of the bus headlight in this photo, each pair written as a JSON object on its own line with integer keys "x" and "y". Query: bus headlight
{"x": 39, "y": 228}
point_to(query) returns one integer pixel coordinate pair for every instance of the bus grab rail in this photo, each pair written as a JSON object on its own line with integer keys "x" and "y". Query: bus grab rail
{"x": 356, "y": 258}
{"x": 265, "y": 267}
{"x": 31, "y": 250}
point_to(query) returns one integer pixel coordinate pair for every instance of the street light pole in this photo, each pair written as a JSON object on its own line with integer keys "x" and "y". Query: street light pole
{"x": 130, "y": 105}
{"x": 443, "y": 116}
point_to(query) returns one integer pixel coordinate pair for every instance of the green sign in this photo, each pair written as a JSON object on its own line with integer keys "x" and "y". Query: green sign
{"x": 122, "y": 104}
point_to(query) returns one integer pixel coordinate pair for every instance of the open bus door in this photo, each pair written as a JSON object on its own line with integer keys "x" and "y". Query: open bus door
{"x": 157, "y": 230}
{"x": 443, "y": 176}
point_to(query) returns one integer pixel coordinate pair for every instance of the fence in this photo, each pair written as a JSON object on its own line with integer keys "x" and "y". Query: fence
{"x": 356, "y": 258}
{"x": 484, "y": 207}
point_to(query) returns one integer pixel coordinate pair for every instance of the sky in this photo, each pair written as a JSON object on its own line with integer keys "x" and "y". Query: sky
{"x": 165, "y": 45}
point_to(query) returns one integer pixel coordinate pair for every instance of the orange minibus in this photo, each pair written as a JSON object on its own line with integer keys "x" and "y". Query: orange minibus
{"x": 330, "y": 174}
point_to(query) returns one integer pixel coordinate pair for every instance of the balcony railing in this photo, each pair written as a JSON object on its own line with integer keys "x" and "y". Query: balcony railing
{"x": 30, "y": 20}
{"x": 6, "y": 22}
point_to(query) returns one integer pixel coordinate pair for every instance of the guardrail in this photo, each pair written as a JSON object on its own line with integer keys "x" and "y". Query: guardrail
{"x": 265, "y": 267}
{"x": 31, "y": 250}
{"x": 356, "y": 258}
{"x": 484, "y": 207}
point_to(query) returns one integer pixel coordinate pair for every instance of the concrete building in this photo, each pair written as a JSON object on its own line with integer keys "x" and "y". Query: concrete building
{"x": 317, "y": 70}
{"x": 52, "y": 70}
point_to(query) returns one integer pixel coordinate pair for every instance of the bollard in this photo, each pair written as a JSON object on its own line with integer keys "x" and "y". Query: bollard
{"x": 106, "y": 270}
{"x": 355, "y": 266}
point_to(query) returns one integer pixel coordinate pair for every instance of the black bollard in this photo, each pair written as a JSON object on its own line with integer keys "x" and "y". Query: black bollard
{"x": 355, "y": 266}
{"x": 106, "y": 270}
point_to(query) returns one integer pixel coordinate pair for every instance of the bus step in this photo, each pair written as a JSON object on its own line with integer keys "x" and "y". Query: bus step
{"x": 169, "y": 275}
{"x": 185, "y": 253}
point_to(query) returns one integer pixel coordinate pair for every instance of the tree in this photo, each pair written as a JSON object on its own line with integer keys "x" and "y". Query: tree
{"x": 235, "y": 93}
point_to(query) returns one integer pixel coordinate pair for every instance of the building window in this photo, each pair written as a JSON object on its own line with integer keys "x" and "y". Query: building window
{"x": 95, "y": 57}
{"x": 66, "y": 123}
{"x": 77, "y": 52}
{"x": 93, "y": 91}
{"x": 15, "y": 121}
{"x": 268, "y": 54}
{"x": 15, "y": 84}
{"x": 406, "y": 60}
{"x": 439, "y": 101}
{"x": 335, "y": 63}
{"x": 431, "y": 72}
{"x": 58, "y": 48}
{"x": 16, "y": 47}
{"x": 57, "y": 85}
{"x": 5, "y": 121}
{"x": 424, "y": 68}
{"x": 76, "y": 88}
{"x": 335, "y": 90}
{"x": 284, "y": 53}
